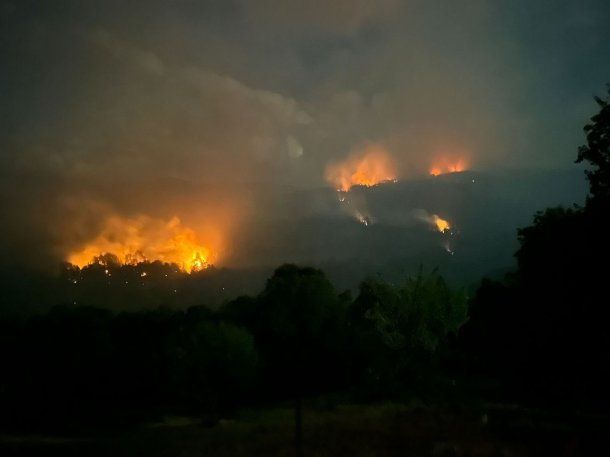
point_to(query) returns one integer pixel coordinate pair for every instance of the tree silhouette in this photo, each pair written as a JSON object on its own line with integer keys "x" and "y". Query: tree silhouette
{"x": 300, "y": 318}
{"x": 399, "y": 327}
{"x": 597, "y": 152}
{"x": 547, "y": 325}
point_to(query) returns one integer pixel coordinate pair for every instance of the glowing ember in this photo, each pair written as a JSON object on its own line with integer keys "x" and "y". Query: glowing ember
{"x": 448, "y": 249}
{"x": 131, "y": 241}
{"x": 368, "y": 167}
{"x": 364, "y": 220}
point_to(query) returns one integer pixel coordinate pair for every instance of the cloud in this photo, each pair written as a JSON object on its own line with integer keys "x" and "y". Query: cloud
{"x": 128, "y": 53}
{"x": 338, "y": 16}
{"x": 210, "y": 110}
{"x": 201, "y": 116}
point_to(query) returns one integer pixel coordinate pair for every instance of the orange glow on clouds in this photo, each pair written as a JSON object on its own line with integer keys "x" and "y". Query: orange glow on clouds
{"x": 142, "y": 238}
{"x": 367, "y": 167}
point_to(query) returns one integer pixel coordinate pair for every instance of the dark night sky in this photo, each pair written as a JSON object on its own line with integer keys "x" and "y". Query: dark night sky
{"x": 207, "y": 110}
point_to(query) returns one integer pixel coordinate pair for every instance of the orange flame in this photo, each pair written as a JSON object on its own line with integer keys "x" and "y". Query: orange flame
{"x": 367, "y": 167}
{"x": 433, "y": 220}
{"x": 134, "y": 240}
{"x": 441, "y": 224}
{"x": 444, "y": 166}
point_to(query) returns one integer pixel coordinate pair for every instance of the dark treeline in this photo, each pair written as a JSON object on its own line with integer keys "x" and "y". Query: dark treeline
{"x": 539, "y": 336}
{"x": 106, "y": 283}
{"x": 298, "y": 337}
{"x": 545, "y": 329}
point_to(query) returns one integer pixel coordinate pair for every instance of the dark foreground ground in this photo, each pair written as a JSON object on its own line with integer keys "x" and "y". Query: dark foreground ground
{"x": 354, "y": 430}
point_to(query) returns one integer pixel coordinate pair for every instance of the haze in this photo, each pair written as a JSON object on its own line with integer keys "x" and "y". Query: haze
{"x": 228, "y": 114}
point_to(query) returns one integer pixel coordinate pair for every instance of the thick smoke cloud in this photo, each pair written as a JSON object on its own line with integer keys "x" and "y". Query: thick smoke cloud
{"x": 211, "y": 110}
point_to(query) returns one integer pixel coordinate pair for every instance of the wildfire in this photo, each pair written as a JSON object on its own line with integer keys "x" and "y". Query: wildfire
{"x": 133, "y": 240}
{"x": 441, "y": 224}
{"x": 367, "y": 167}
{"x": 445, "y": 166}
{"x": 434, "y": 220}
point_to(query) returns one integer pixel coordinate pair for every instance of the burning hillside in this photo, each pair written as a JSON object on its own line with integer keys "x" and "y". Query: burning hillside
{"x": 367, "y": 167}
{"x": 139, "y": 239}
{"x": 444, "y": 165}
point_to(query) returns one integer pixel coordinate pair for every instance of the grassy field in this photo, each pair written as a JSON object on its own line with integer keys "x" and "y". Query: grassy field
{"x": 349, "y": 430}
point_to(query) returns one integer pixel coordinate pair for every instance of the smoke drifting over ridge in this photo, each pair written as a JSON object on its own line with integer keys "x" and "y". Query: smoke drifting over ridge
{"x": 210, "y": 111}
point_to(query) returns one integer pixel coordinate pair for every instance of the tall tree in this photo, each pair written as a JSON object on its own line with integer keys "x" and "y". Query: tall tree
{"x": 597, "y": 152}
{"x": 549, "y": 320}
{"x": 299, "y": 322}
{"x": 398, "y": 328}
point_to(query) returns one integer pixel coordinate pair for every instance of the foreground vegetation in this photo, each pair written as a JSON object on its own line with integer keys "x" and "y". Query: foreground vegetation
{"x": 80, "y": 365}
{"x": 388, "y": 429}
